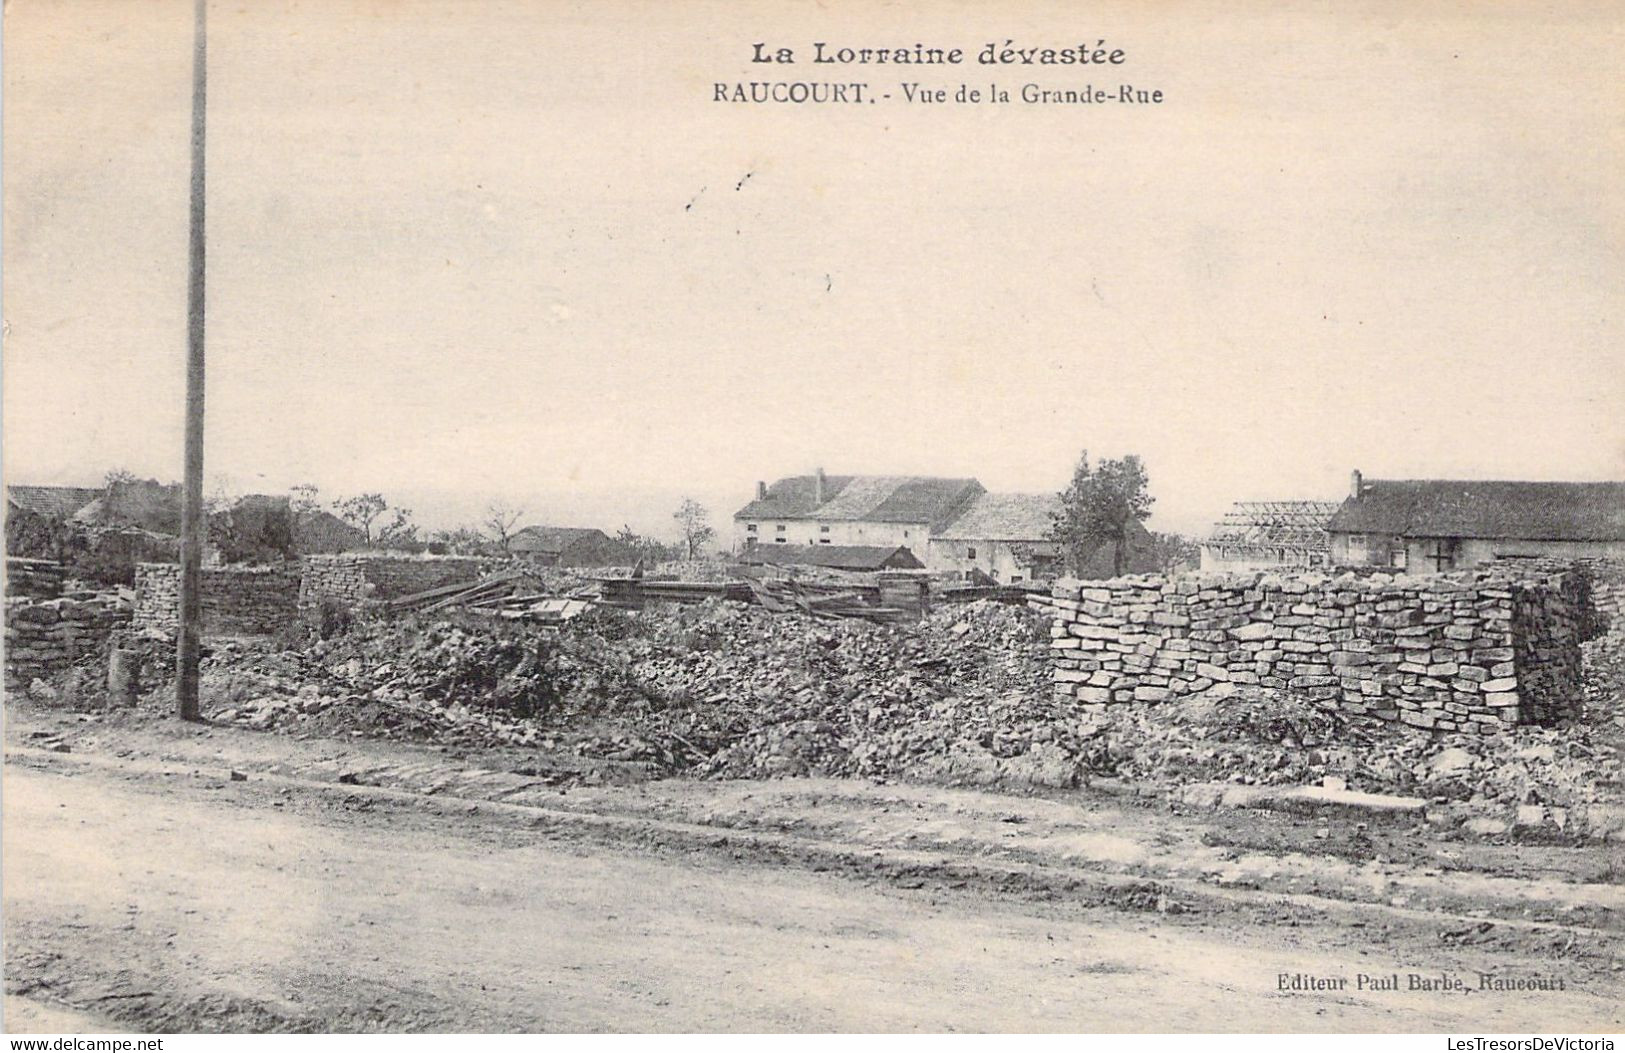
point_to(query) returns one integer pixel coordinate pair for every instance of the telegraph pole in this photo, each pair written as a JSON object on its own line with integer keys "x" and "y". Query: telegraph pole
{"x": 192, "y": 521}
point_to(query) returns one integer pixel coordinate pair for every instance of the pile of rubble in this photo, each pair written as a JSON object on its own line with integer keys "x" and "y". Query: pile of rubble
{"x": 727, "y": 690}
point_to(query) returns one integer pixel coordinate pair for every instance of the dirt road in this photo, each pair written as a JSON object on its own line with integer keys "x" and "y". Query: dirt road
{"x": 161, "y": 894}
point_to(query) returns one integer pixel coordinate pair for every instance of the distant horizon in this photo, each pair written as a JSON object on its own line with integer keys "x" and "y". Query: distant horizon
{"x": 647, "y": 511}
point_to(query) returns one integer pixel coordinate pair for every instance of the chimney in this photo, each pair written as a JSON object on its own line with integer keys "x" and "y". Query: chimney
{"x": 761, "y": 490}
{"x": 818, "y": 487}
{"x": 1355, "y": 482}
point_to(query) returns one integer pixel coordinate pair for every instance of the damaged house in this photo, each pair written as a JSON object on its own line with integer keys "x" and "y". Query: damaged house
{"x": 568, "y": 547}
{"x": 1266, "y": 535}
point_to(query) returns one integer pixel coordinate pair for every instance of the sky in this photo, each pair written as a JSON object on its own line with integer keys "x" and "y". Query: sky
{"x": 492, "y": 249}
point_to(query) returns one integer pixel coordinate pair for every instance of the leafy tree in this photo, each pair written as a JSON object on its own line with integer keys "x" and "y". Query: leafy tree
{"x": 694, "y": 520}
{"x": 400, "y": 531}
{"x": 645, "y": 548}
{"x": 302, "y": 499}
{"x": 252, "y": 531}
{"x": 1096, "y": 510}
{"x": 116, "y": 477}
{"x": 361, "y": 511}
{"x": 462, "y": 541}
{"x": 500, "y": 519}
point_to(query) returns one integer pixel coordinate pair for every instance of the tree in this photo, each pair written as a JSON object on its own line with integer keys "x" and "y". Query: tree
{"x": 1096, "y": 510}
{"x": 1175, "y": 553}
{"x": 116, "y": 487}
{"x": 361, "y": 511}
{"x": 118, "y": 477}
{"x": 639, "y": 547}
{"x": 400, "y": 531}
{"x": 500, "y": 519}
{"x": 694, "y": 520}
{"x": 462, "y": 541}
{"x": 302, "y": 499}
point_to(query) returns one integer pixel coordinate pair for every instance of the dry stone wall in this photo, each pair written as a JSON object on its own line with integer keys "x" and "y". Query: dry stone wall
{"x": 46, "y": 637}
{"x": 38, "y": 578}
{"x": 1607, "y": 580}
{"x": 235, "y": 601}
{"x": 353, "y": 579}
{"x": 1476, "y": 651}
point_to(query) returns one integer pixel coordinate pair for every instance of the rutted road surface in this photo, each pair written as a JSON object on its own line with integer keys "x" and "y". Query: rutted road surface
{"x": 160, "y": 894}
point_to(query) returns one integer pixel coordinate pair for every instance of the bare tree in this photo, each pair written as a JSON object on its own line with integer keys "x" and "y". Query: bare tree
{"x": 695, "y": 522}
{"x": 500, "y": 519}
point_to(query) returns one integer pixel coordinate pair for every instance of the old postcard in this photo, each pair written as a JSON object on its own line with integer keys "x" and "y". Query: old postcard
{"x": 528, "y": 516}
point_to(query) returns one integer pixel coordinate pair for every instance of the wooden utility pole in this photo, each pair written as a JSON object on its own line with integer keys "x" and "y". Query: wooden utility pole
{"x": 192, "y": 521}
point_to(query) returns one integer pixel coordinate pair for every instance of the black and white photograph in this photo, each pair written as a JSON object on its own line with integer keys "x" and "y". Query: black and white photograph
{"x": 813, "y": 517}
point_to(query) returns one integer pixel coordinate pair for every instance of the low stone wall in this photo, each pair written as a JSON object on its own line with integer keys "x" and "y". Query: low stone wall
{"x": 1607, "y": 590}
{"x": 46, "y": 637}
{"x": 354, "y": 579}
{"x": 235, "y": 601}
{"x": 1473, "y": 651}
{"x": 38, "y": 578}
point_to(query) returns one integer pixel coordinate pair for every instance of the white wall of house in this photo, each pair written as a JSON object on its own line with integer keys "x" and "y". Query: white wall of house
{"x": 912, "y": 536}
{"x": 996, "y": 559}
{"x": 1417, "y": 555}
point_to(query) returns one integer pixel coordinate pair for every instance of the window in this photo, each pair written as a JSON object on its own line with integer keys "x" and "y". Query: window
{"x": 1442, "y": 553}
{"x": 780, "y": 540}
{"x": 823, "y": 529}
{"x": 778, "y": 528}
{"x": 1014, "y": 578}
{"x": 905, "y": 533}
{"x": 1396, "y": 558}
{"x": 970, "y": 552}
{"x": 823, "y": 541}
{"x": 750, "y": 528}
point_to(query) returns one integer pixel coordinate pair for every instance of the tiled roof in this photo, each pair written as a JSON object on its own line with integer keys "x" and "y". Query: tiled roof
{"x": 1005, "y": 517}
{"x": 793, "y": 497}
{"x": 1491, "y": 509}
{"x": 57, "y": 502}
{"x": 868, "y": 498}
{"x": 838, "y": 557}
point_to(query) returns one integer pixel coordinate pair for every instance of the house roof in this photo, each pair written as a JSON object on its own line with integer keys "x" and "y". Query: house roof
{"x": 1471, "y": 509}
{"x": 318, "y": 530}
{"x": 144, "y": 503}
{"x": 57, "y": 502}
{"x": 551, "y": 539}
{"x": 1004, "y": 517}
{"x": 867, "y": 498}
{"x": 793, "y": 497}
{"x": 837, "y": 557}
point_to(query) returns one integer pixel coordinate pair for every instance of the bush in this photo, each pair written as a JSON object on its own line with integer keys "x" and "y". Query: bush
{"x": 333, "y": 618}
